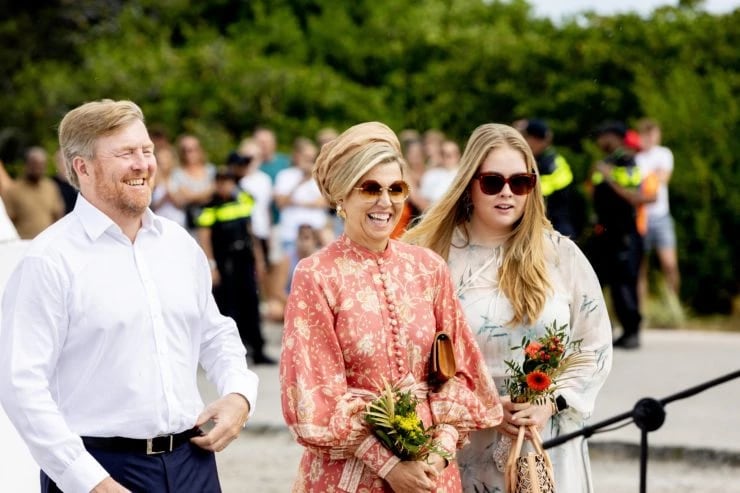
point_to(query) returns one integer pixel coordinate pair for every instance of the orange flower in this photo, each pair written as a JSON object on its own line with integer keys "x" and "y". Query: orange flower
{"x": 532, "y": 349}
{"x": 538, "y": 381}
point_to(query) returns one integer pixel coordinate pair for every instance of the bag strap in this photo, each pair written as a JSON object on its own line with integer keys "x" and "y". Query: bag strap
{"x": 511, "y": 471}
{"x": 537, "y": 442}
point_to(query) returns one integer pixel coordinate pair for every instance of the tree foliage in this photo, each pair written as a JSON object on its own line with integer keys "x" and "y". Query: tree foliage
{"x": 219, "y": 68}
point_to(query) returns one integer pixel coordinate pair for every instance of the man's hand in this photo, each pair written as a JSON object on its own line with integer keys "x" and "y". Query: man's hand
{"x": 228, "y": 414}
{"x": 109, "y": 485}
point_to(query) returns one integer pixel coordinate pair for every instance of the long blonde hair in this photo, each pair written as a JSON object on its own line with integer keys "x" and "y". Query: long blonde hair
{"x": 523, "y": 276}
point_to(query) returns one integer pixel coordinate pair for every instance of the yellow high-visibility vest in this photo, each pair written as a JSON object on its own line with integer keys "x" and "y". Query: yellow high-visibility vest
{"x": 560, "y": 178}
{"x": 237, "y": 209}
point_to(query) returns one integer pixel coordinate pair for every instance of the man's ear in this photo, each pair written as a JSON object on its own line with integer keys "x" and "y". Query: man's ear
{"x": 80, "y": 166}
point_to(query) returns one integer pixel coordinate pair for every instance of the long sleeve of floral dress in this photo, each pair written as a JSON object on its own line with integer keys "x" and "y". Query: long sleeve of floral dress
{"x": 354, "y": 320}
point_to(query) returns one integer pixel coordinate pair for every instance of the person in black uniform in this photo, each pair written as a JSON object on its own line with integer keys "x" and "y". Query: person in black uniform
{"x": 556, "y": 177}
{"x": 616, "y": 251}
{"x": 224, "y": 232}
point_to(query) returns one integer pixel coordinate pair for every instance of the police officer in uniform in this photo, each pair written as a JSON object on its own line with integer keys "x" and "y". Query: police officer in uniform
{"x": 224, "y": 232}
{"x": 556, "y": 177}
{"x": 617, "y": 248}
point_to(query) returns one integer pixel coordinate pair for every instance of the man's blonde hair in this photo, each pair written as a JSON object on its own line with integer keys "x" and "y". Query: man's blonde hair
{"x": 523, "y": 274}
{"x": 81, "y": 127}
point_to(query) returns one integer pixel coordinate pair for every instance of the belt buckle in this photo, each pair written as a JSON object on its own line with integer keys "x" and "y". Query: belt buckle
{"x": 150, "y": 446}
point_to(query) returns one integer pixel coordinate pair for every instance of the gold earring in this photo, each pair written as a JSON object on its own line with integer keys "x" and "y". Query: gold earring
{"x": 340, "y": 212}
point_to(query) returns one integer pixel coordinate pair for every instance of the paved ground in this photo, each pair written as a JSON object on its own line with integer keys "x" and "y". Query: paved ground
{"x": 697, "y": 450}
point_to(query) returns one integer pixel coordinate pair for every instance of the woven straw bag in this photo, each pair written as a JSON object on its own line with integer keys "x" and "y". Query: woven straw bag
{"x": 530, "y": 473}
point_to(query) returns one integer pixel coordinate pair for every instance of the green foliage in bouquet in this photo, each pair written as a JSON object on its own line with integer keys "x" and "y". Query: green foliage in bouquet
{"x": 393, "y": 419}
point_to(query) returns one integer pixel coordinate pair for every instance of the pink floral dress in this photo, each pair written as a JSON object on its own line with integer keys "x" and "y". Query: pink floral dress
{"x": 355, "y": 318}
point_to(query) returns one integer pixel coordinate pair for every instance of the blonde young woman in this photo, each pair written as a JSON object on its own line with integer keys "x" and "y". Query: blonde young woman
{"x": 515, "y": 276}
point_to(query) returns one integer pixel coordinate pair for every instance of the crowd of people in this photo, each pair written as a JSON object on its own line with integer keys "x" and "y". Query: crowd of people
{"x": 286, "y": 199}
{"x": 364, "y": 243}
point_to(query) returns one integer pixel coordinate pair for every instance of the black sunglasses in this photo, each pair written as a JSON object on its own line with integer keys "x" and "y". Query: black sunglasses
{"x": 371, "y": 190}
{"x": 493, "y": 183}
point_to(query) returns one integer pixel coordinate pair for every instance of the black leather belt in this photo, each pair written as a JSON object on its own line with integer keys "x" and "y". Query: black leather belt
{"x": 149, "y": 446}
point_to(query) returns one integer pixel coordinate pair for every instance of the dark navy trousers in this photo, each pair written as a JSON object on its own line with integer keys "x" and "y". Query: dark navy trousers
{"x": 186, "y": 469}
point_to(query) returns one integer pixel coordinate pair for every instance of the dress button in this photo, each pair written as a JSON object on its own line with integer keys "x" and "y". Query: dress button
{"x": 388, "y": 292}
{"x": 391, "y": 307}
{"x": 394, "y": 321}
{"x": 380, "y": 261}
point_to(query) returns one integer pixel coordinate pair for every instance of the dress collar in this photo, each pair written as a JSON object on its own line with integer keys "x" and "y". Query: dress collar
{"x": 363, "y": 252}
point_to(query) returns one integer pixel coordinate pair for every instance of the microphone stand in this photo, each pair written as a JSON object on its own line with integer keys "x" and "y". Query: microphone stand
{"x": 648, "y": 414}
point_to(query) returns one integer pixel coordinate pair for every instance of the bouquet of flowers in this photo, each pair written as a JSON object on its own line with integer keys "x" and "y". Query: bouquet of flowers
{"x": 546, "y": 359}
{"x": 393, "y": 419}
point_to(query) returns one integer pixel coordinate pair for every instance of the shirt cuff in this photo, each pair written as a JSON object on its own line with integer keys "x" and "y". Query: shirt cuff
{"x": 376, "y": 456}
{"x": 82, "y": 475}
{"x": 246, "y": 386}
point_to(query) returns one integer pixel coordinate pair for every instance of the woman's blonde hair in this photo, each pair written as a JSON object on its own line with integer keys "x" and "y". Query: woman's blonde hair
{"x": 523, "y": 276}
{"x": 81, "y": 127}
{"x": 344, "y": 160}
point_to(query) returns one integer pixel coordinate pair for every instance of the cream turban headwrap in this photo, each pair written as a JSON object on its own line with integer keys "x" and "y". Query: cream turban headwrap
{"x": 335, "y": 163}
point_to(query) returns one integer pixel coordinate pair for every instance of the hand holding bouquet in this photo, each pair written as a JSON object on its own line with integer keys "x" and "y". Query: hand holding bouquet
{"x": 392, "y": 416}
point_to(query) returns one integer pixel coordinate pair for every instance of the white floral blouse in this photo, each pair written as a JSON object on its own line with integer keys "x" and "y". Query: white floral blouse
{"x": 577, "y": 302}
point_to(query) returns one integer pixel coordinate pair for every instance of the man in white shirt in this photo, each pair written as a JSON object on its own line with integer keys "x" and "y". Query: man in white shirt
{"x": 104, "y": 323}
{"x": 661, "y": 235}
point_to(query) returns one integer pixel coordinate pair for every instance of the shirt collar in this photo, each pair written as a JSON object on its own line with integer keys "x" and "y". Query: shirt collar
{"x": 95, "y": 222}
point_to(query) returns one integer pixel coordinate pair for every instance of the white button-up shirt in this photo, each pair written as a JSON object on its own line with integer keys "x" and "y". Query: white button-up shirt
{"x": 102, "y": 337}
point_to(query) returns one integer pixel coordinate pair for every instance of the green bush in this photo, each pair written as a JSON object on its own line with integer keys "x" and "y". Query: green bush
{"x": 219, "y": 68}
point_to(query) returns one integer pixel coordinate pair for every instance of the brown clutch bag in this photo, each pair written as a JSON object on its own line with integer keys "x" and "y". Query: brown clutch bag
{"x": 442, "y": 363}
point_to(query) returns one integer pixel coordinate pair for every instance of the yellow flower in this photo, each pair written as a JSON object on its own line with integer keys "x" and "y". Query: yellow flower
{"x": 407, "y": 423}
